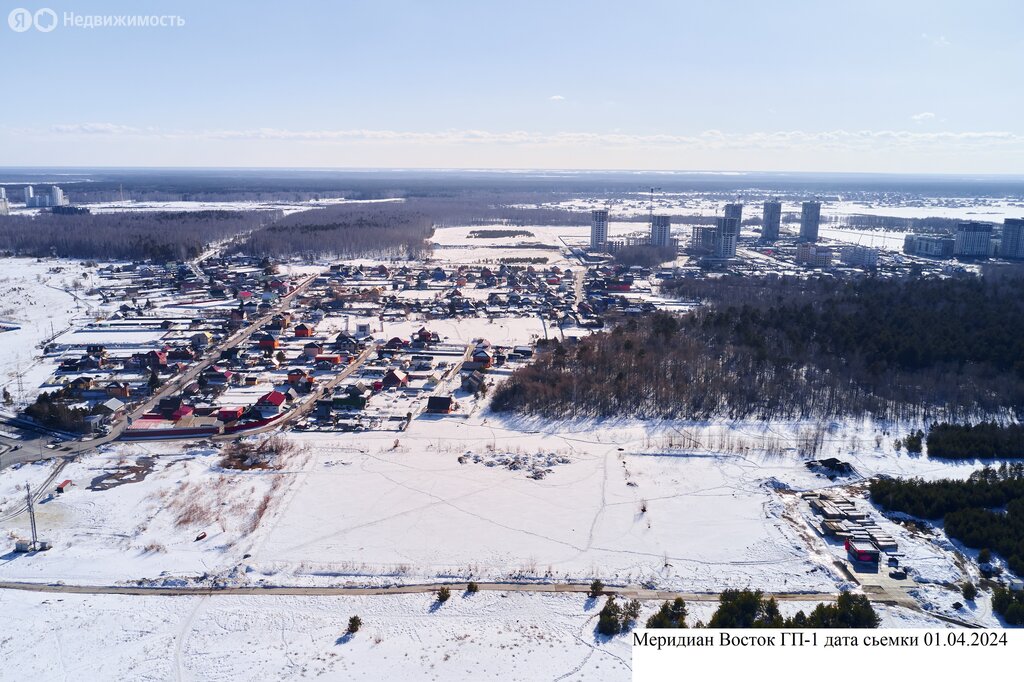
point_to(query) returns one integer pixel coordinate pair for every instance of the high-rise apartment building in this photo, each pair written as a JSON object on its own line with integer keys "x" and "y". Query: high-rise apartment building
{"x": 598, "y": 229}
{"x": 727, "y": 231}
{"x": 810, "y": 217}
{"x": 661, "y": 230}
{"x": 1012, "y": 245}
{"x": 771, "y": 220}
{"x": 973, "y": 240}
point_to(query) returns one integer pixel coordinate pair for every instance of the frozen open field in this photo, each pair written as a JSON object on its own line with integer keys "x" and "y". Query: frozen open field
{"x": 687, "y": 507}
{"x": 487, "y": 636}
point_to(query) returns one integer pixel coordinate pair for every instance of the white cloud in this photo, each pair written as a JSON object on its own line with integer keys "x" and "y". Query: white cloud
{"x": 95, "y": 129}
{"x": 556, "y": 98}
{"x": 848, "y": 140}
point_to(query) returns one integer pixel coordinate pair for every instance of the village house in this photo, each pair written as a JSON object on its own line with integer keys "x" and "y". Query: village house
{"x": 270, "y": 404}
{"x": 201, "y": 340}
{"x": 230, "y": 414}
{"x": 268, "y": 341}
{"x": 110, "y": 408}
{"x": 395, "y": 378}
{"x": 437, "y": 404}
{"x": 216, "y": 376}
{"x": 119, "y": 389}
{"x": 312, "y": 349}
{"x": 473, "y": 382}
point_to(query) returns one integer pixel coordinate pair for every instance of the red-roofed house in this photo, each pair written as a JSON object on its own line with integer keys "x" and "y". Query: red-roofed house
{"x": 395, "y": 378}
{"x": 270, "y": 403}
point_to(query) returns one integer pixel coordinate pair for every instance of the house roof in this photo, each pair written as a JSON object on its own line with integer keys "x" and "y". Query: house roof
{"x": 275, "y": 398}
{"x": 439, "y": 402}
{"x": 113, "y": 404}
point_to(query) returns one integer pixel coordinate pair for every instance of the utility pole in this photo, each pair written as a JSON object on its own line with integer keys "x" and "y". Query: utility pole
{"x": 32, "y": 518}
{"x": 21, "y": 384}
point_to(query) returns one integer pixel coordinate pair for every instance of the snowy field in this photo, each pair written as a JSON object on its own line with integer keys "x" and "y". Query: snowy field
{"x": 286, "y": 207}
{"x": 42, "y": 298}
{"x": 487, "y": 636}
{"x": 693, "y": 507}
{"x": 454, "y": 245}
{"x": 687, "y": 507}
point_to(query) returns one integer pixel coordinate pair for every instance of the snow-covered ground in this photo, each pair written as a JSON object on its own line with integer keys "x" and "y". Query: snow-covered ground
{"x": 135, "y": 510}
{"x": 486, "y": 636}
{"x": 41, "y": 297}
{"x": 128, "y": 206}
{"x": 695, "y": 507}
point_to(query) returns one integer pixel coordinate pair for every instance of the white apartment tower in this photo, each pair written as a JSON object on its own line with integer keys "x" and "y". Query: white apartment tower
{"x": 29, "y": 193}
{"x": 727, "y": 230}
{"x": 972, "y": 240}
{"x": 810, "y": 216}
{"x": 661, "y": 230}
{"x": 599, "y": 229}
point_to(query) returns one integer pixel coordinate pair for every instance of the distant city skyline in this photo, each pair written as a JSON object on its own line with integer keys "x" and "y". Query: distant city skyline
{"x": 912, "y": 87}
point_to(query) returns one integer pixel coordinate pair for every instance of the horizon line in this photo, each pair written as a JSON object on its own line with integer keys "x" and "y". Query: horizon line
{"x": 476, "y": 169}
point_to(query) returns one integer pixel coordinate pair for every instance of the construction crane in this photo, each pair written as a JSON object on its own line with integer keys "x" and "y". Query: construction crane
{"x": 650, "y": 207}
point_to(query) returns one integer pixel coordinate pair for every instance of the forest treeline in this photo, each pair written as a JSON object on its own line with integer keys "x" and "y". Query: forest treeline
{"x": 895, "y": 224}
{"x": 986, "y": 511}
{"x": 644, "y": 255}
{"x": 1009, "y": 604}
{"x": 751, "y": 609}
{"x": 987, "y": 440}
{"x": 380, "y": 229}
{"x": 377, "y": 230}
{"x": 158, "y": 235}
{"x": 390, "y": 229}
{"x": 742, "y": 609}
{"x": 905, "y": 349}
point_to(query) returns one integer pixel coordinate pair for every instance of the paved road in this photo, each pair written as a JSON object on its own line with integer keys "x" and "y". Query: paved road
{"x": 629, "y": 592}
{"x": 625, "y": 592}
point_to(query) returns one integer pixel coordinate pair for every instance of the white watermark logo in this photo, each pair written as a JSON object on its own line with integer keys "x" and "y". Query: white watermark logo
{"x": 45, "y": 20}
{"x": 19, "y": 20}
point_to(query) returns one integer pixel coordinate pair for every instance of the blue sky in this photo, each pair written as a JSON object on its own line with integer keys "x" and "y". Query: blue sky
{"x": 902, "y": 86}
